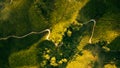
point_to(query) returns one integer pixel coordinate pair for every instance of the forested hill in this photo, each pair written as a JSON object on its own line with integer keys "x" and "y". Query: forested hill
{"x": 59, "y": 34}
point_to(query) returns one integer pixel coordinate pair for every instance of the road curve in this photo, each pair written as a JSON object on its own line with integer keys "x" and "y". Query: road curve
{"x": 19, "y": 37}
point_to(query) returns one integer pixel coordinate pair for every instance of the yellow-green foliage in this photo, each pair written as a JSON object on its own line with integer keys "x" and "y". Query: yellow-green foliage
{"x": 85, "y": 61}
{"x": 65, "y": 9}
{"x": 83, "y": 42}
{"x": 58, "y": 32}
{"x": 65, "y": 15}
{"x": 110, "y": 66}
{"x": 69, "y": 33}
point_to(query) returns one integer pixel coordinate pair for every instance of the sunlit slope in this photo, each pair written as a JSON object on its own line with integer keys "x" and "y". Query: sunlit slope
{"x": 21, "y": 17}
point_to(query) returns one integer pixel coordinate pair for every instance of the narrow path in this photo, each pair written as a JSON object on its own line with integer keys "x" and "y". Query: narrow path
{"x": 93, "y": 29}
{"x": 19, "y": 37}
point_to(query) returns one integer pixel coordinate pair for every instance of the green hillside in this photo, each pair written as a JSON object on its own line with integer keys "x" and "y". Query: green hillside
{"x": 59, "y": 34}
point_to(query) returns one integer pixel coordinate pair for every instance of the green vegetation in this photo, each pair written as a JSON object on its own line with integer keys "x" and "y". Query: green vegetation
{"x": 68, "y": 44}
